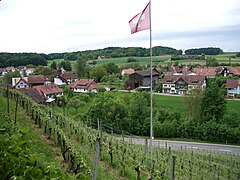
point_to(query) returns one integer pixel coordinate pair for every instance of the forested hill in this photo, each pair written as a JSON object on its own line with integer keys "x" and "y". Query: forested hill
{"x": 206, "y": 51}
{"x": 22, "y": 59}
{"x": 113, "y": 52}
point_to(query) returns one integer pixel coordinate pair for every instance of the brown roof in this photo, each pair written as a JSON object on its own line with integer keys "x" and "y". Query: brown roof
{"x": 148, "y": 72}
{"x": 128, "y": 71}
{"x": 48, "y": 89}
{"x": 88, "y": 84}
{"x": 33, "y": 94}
{"x": 232, "y": 83}
{"x": 69, "y": 75}
{"x": 190, "y": 79}
{"x": 205, "y": 71}
{"x": 234, "y": 71}
{"x": 36, "y": 79}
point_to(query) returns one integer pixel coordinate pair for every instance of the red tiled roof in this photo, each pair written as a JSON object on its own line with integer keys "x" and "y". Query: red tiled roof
{"x": 205, "y": 71}
{"x": 84, "y": 84}
{"x": 128, "y": 71}
{"x": 190, "y": 79}
{"x": 48, "y": 89}
{"x": 232, "y": 83}
{"x": 36, "y": 79}
{"x": 234, "y": 71}
{"x": 33, "y": 94}
{"x": 69, "y": 75}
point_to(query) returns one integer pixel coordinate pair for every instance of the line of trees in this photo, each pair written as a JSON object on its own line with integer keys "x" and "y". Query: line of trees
{"x": 22, "y": 59}
{"x": 113, "y": 52}
{"x": 206, "y": 51}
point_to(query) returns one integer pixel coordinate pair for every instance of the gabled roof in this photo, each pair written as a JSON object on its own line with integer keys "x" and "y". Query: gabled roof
{"x": 36, "y": 79}
{"x": 69, "y": 75}
{"x": 33, "y": 94}
{"x": 88, "y": 84}
{"x": 48, "y": 89}
{"x": 232, "y": 83}
{"x": 147, "y": 73}
{"x": 191, "y": 79}
{"x": 206, "y": 71}
{"x": 234, "y": 70}
{"x": 128, "y": 71}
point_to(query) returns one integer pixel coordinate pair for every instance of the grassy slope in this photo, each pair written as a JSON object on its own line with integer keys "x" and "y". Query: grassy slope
{"x": 49, "y": 152}
{"x": 223, "y": 58}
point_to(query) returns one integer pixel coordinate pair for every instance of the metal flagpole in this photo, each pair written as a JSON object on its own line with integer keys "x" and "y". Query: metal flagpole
{"x": 151, "y": 104}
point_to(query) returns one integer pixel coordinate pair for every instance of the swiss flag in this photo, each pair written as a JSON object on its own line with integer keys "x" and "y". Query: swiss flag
{"x": 141, "y": 21}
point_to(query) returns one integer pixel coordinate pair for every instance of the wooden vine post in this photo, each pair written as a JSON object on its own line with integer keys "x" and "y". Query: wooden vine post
{"x": 96, "y": 157}
{"x": 16, "y": 108}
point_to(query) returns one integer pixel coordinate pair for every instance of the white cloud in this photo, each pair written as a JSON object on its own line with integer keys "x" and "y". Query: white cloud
{"x": 57, "y": 25}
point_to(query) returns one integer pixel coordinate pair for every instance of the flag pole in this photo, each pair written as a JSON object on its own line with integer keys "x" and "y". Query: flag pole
{"x": 151, "y": 103}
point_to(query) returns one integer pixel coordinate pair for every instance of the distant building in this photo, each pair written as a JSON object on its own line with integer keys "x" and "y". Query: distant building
{"x": 142, "y": 79}
{"x": 181, "y": 84}
{"x": 64, "y": 78}
{"x": 127, "y": 71}
{"x": 84, "y": 86}
{"x": 233, "y": 87}
{"x": 49, "y": 91}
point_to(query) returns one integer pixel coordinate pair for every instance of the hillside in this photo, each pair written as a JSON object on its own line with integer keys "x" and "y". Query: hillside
{"x": 118, "y": 159}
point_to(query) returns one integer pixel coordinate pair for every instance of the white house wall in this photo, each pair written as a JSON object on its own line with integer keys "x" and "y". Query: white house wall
{"x": 58, "y": 81}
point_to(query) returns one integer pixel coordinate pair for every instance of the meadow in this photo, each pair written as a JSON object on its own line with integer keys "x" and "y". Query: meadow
{"x": 160, "y": 60}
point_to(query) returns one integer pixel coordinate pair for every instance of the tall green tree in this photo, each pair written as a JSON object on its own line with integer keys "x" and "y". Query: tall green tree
{"x": 98, "y": 72}
{"x": 193, "y": 104}
{"x": 81, "y": 66}
{"x": 54, "y": 65}
{"x": 109, "y": 109}
{"x": 213, "y": 104}
{"x": 139, "y": 114}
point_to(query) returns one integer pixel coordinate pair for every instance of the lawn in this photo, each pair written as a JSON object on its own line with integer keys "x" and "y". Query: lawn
{"x": 173, "y": 103}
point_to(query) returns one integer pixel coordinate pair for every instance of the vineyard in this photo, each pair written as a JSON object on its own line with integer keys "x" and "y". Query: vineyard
{"x": 87, "y": 149}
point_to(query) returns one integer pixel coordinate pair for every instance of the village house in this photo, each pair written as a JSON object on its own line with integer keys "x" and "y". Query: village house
{"x": 49, "y": 91}
{"x": 142, "y": 79}
{"x": 64, "y": 78}
{"x": 127, "y": 71}
{"x": 2, "y": 71}
{"x": 20, "y": 82}
{"x": 28, "y": 82}
{"x": 84, "y": 86}
{"x": 233, "y": 87}
{"x": 10, "y": 69}
{"x": 34, "y": 95}
{"x": 181, "y": 84}
{"x": 209, "y": 72}
{"x": 230, "y": 71}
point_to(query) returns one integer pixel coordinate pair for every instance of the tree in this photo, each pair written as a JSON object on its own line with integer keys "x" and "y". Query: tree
{"x": 213, "y": 104}
{"x": 98, "y": 72}
{"x": 139, "y": 111}
{"x": 80, "y": 67}
{"x": 238, "y": 54}
{"x": 75, "y": 103}
{"x": 54, "y": 65}
{"x": 109, "y": 109}
{"x": 111, "y": 68}
{"x": 8, "y": 77}
{"x": 193, "y": 104}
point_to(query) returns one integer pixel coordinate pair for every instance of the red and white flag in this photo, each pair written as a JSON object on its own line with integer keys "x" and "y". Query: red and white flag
{"x": 141, "y": 21}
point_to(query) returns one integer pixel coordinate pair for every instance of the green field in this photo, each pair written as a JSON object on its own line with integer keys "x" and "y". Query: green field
{"x": 159, "y": 60}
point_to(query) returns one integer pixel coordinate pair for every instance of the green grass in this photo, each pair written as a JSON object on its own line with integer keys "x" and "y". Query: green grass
{"x": 39, "y": 144}
{"x": 141, "y": 60}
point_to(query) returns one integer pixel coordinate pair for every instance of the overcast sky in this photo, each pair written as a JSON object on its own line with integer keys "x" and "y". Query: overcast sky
{"x": 47, "y": 26}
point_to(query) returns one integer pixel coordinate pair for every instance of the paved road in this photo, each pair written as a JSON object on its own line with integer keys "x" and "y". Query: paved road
{"x": 190, "y": 145}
